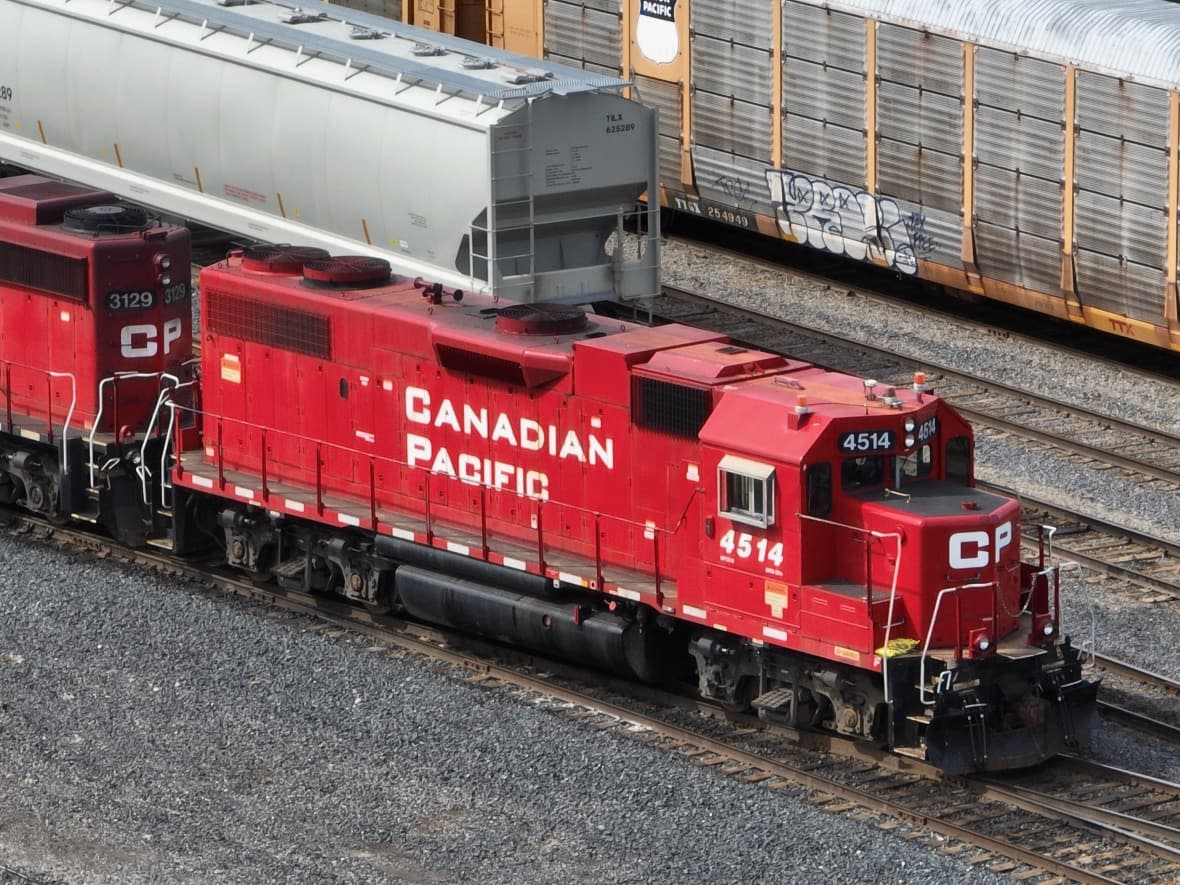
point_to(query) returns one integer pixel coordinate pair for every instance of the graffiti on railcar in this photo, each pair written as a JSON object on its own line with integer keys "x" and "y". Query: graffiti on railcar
{"x": 733, "y": 187}
{"x": 848, "y": 220}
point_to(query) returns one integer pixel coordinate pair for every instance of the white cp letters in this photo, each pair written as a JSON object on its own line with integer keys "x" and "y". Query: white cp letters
{"x": 141, "y": 341}
{"x": 977, "y": 549}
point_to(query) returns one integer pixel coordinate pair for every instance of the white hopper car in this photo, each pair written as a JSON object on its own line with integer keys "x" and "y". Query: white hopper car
{"x": 473, "y": 167}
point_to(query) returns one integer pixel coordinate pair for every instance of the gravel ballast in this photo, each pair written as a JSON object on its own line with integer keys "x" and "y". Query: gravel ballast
{"x": 152, "y": 732}
{"x": 156, "y": 733}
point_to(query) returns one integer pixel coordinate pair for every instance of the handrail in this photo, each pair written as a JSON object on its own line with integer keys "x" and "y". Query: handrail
{"x": 163, "y": 399}
{"x": 930, "y": 632}
{"x": 897, "y": 537}
{"x": 50, "y": 375}
{"x": 372, "y": 459}
{"x": 115, "y": 379}
{"x": 65, "y": 427}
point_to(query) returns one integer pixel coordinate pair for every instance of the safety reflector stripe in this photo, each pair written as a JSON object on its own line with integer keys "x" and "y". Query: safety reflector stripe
{"x": 402, "y": 533}
{"x": 297, "y": 506}
{"x": 567, "y": 578}
{"x": 30, "y": 434}
{"x": 454, "y": 547}
{"x": 243, "y": 492}
{"x": 517, "y": 564}
{"x": 348, "y": 519}
{"x": 633, "y": 595}
{"x": 693, "y": 612}
{"x": 203, "y": 481}
{"x": 774, "y": 633}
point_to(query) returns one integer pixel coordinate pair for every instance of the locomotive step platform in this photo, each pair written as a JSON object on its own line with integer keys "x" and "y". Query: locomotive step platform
{"x": 300, "y": 502}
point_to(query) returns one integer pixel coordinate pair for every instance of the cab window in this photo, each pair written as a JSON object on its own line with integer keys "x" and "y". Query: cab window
{"x": 958, "y": 460}
{"x": 819, "y": 489}
{"x": 745, "y": 491}
{"x": 917, "y": 464}
{"x": 857, "y": 473}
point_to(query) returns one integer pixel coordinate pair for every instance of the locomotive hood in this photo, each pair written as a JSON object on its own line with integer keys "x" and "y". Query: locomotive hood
{"x": 952, "y": 537}
{"x": 963, "y": 533}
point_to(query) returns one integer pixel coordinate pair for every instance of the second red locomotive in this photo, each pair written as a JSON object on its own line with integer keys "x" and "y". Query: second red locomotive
{"x": 654, "y": 501}
{"x": 95, "y": 318}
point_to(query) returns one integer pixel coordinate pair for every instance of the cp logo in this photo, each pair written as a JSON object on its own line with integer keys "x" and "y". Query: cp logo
{"x": 142, "y": 341}
{"x": 978, "y": 549}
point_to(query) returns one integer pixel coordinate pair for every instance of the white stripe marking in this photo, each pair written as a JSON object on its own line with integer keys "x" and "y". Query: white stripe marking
{"x": 297, "y": 506}
{"x": 458, "y": 548}
{"x": 243, "y": 492}
{"x": 517, "y": 564}
{"x": 693, "y": 612}
{"x": 402, "y": 533}
{"x": 633, "y": 595}
{"x": 347, "y": 519}
{"x": 774, "y": 633}
{"x": 202, "y": 481}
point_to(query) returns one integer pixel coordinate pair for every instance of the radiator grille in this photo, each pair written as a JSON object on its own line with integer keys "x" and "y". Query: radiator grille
{"x": 56, "y": 274}
{"x": 669, "y": 408}
{"x": 271, "y": 324}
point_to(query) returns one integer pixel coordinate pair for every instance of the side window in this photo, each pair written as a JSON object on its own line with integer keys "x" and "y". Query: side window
{"x": 745, "y": 491}
{"x": 958, "y": 460}
{"x": 819, "y": 489}
{"x": 867, "y": 470}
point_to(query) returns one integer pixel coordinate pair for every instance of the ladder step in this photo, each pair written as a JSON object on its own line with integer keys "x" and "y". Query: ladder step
{"x": 91, "y": 518}
{"x": 292, "y": 568}
{"x": 912, "y": 752}
{"x": 776, "y": 700}
{"x": 161, "y": 543}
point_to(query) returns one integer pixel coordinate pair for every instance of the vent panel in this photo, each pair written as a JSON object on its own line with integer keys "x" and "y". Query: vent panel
{"x": 669, "y": 408}
{"x": 55, "y": 274}
{"x": 465, "y": 361}
{"x": 272, "y": 325}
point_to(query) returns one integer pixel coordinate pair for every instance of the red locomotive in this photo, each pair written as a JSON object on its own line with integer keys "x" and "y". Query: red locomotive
{"x": 648, "y": 500}
{"x": 95, "y": 317}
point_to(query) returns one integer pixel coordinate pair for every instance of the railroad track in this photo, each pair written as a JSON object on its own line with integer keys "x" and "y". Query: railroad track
{"x": 1141, "y": 567}
{"x": 1024, "y": 828}
{"x": 1152, "y": 455}
{"x": 1139, "y": 699}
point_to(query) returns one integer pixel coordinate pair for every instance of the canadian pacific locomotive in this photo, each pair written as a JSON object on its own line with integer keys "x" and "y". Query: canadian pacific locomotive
{"x": 655, "y": 501}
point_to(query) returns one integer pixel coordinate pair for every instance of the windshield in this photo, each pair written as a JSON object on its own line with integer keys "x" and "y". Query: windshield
{"x": 892, "y": 471}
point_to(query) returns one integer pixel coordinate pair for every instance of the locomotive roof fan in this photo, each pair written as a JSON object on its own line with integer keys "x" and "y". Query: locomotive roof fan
{"x": 106, "y": 219}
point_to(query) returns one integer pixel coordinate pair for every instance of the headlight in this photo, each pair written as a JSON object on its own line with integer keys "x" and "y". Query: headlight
{"x": 1049, "y": 628}
{"x": 910, "y": 425}
{"x": 909, "y": 442}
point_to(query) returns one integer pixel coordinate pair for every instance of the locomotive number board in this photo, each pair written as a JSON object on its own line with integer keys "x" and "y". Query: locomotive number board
{"x": 863, "y": 442}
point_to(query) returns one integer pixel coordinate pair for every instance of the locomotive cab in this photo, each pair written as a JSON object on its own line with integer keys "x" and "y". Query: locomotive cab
{"x": 965, "y": 633}
{"x": 95, "y": 312}
{"x": 855, "y": 533}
